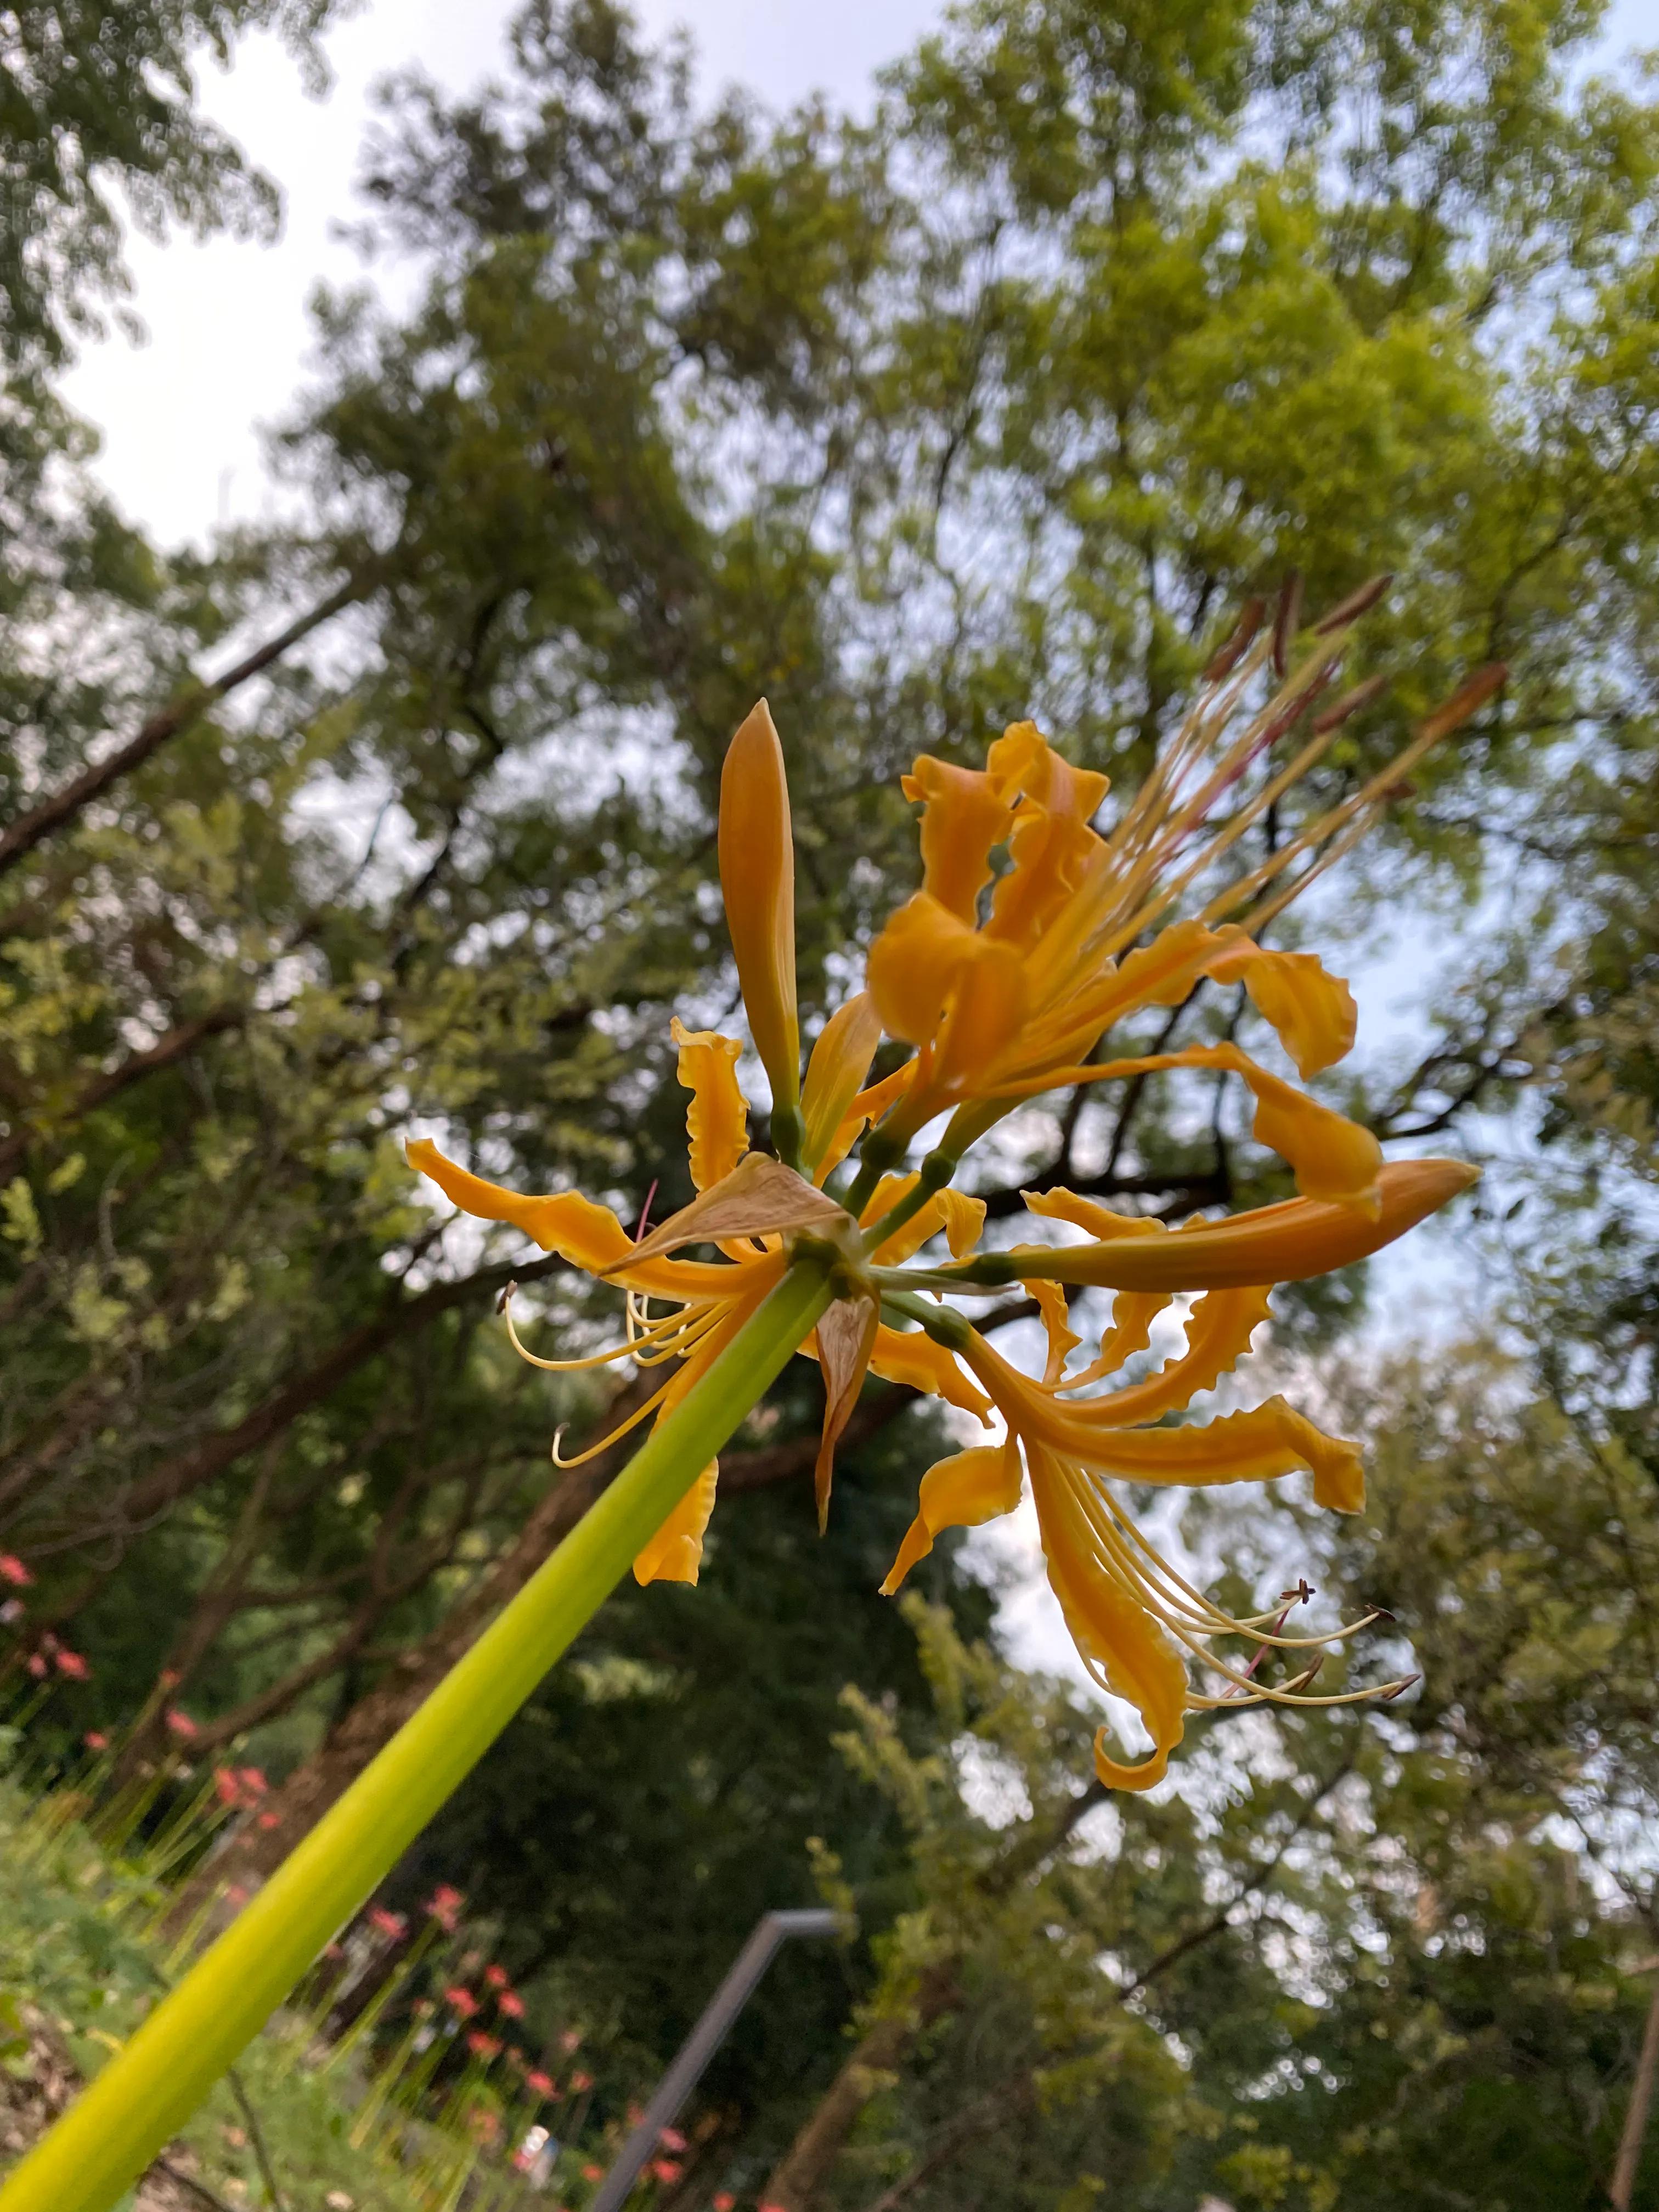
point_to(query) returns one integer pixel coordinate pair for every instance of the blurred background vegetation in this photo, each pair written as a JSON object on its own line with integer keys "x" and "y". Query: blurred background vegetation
{"x": 1000, "y": 399}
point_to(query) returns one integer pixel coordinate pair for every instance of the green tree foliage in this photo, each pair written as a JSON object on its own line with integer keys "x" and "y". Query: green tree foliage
{"x": 96, "y": 101}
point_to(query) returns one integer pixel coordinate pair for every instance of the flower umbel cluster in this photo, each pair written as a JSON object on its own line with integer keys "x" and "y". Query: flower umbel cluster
{"x": 1034, "y": 936}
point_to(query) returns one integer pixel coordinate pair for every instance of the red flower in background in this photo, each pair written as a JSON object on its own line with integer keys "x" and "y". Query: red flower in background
{"x": 581, "y": 2082}
{"x": 497, "y": 1977}
{"x": 540, "y": 2083}
{"x": 72, "y": 1665}
{"x": 226, "y": 1787}
{"x": 724, "y": 2201}
{"x": 511, "y": 2003}
{"x": 482, "y": 2046}
{"x": 444, "y": 1906}
{"x": 666, "y": 2169}
{"x": 671, "y": 2139}
{"x": 37, "y": 1665}
{"x": 391, "y": 1924}
{"x": 180, "y": 1724}
{"x": 269, "y": 1820}
{"x": 13, "y": 1570}
{"x": 252, "y": 1781}
{"x": 461, "y": 2001}
{"x": 95, "y": 1740}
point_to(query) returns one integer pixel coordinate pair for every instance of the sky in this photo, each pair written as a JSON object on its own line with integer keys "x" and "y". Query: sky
{"x": 228, "y": 328}
{"x": 227, "y": 323}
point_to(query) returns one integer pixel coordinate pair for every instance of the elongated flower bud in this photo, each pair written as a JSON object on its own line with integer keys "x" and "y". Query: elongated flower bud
{"x": 1283, "y": 1244}
{"x": 757, "y": 881}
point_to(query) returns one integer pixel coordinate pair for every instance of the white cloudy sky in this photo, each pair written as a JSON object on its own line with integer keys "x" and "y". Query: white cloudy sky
{"x": 228, "y": 324}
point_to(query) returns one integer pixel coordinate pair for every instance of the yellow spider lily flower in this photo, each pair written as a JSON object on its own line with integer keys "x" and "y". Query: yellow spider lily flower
{"x": 1136, "y": 1622}
{"x": 1006, "y": 995}
{"x": 1005, "y": 989}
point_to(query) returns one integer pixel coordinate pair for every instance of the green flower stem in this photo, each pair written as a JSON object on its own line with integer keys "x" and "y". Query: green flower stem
{"x": 944, "y": 1326}
{"x": 934, "y": 1173}
{"x": 161, "y": 2073}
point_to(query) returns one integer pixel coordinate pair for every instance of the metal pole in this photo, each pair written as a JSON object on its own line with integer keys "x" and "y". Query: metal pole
{"x": 704, "y": 2040}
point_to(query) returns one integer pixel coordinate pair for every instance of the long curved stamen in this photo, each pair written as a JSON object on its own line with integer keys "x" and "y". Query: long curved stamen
{"x": 621, "y": 1430}
{"x": 682, "y": 1343}
{"x": 655, "y": 1335}
{"x": 1191, "y": 1618}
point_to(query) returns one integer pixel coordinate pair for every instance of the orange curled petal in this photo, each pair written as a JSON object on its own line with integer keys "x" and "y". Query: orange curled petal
{"x": 1090, "y": 1213}
{"x": 675, "y": 1552}
{"x": 841, "y": 1061}
{"x": 1063, "y": 1340}
{"x": 959, "y": 1215}
{"x": 913, "y": 965}
{"x": 1271, "y": 1440}
{"x": 757, "y": 882}
{"x": 1130, "y": 1329}
{"x": 963, "y": 1217}
{"x": 1219, "y": 1332}
{"x": 1135, "y": 1658}
{"x": 964, "y": 1491}
{"x": 1050, "y": 842}
{"x": 717, "y": 1120}
{"x": 908, "y": 1356}
{"x": 965, "y": 814}
{"x": 1311, "y": 1012}
{"x": 588, "y": 1236}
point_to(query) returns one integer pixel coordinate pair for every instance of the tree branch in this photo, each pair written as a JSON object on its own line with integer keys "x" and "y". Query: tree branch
{"x": 20, "y": 836}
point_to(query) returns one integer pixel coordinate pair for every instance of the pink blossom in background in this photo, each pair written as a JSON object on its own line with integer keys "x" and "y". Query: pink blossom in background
{"x": 391, "y": 1924}
{"x": 226, "y": 1787}
{"x": 95, "y": 1740}
{"x": 666, "y": 2169}
{"x": 482, "y": 2046}
{"x": 37, "y": 1664}
{"x": 252, "y": 1781}
{"x": 497, "y": 1977}
{"x": 581, "y": 2082}
{"x": 570, "y": 2040}
{"x": 72, "y": 1665}
{"x": 461, "y": 2001}
{"x": 180, "y": 1724}
{"x": 540, "y": 2083}
{"x": 444, "y": 1906}
{"x": 13, "y": 1570}
{"x": 269, "y": 1820}
{"x": 511, "y": 2003}
{"x": 672, "y": 2139}
{"x": 724, "y": 2201}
